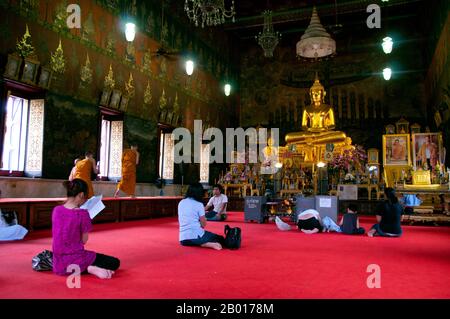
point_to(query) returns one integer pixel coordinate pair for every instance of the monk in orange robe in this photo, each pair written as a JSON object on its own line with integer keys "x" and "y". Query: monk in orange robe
{"x": 130, "y": 158}
{"x": 84, "y": 169}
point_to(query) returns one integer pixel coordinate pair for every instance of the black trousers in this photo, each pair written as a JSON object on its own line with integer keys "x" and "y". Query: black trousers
{"x": 106, "y": 262}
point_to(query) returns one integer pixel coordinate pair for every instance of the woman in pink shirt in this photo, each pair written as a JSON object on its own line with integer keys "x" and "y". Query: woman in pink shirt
{"x": 70, "y": 228}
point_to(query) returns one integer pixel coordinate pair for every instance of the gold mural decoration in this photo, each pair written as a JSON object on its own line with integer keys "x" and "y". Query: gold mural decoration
{"x": 148, "y": 94}
{"x": 88, "y": 28}
{"x": 57, "y": 60}
{"x": 163, "y": 68}
{"x": 176, "y": 106}
{"x": 163, "y": 100}
{"x": 110, "y": 44}
{"x": 109, "y": 82}
{"x": 29, "y": 6}
{"x": 61, "y": 15}
{"x": 24, "y": 46}
{"x": 130, "y": 53}
{"x": 129, "y": 87}
{"x": 86, "y": 71}
{"x": 146, "y": 67}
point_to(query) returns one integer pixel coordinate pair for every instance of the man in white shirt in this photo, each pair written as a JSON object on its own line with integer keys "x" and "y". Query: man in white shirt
{"x": 218, "y": 204}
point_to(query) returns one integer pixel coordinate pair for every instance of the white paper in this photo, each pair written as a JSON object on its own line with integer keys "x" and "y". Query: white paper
{"x": 94, "y": 206}
{"x": 325, "y": 202}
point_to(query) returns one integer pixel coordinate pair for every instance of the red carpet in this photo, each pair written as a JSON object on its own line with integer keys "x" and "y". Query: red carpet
{"x": 270, "y": 264}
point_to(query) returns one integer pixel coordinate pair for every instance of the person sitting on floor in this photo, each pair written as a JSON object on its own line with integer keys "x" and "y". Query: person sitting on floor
{"x": 70, "y": 228}
{"x": 309, "y": 222}
{"x": 350, "y": 222}
{"x": 218, "y": 203}
{"x": 191, "y": 217}
{"x": 10, "y": 228}
{"x": 389, "y": 215}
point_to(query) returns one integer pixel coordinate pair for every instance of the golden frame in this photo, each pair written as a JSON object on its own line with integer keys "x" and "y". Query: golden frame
{"x": 402, "y": 126}
{"x": 30, "y": 71}
{"x": 372, "y": 156}
{"x": 13, "y": 65}
{"x": 115, "y": 99}
{"x": 417, "y": 139}
{"x": 390, "y": 129}
{"x": 404, "y": 141}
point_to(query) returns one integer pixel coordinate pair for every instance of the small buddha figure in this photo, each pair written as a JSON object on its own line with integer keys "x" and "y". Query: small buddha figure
{"x": 317, "y": 121}
{"x": 270, "y": 153}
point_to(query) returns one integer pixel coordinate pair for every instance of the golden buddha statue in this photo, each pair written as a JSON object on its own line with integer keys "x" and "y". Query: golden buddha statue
{"x": 317, "y": 121}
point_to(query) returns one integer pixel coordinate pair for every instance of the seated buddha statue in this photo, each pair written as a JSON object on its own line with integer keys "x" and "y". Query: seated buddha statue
{"x": 317, "y": 122}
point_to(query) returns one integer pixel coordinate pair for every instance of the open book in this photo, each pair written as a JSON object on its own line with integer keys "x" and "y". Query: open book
{"x": 94, "y": 206}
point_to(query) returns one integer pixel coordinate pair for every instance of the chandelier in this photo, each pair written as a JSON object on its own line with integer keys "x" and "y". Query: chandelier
{"x": 316, "y": 42}
{"x": 268, "y": 39}
{"x": 209, "y": 12}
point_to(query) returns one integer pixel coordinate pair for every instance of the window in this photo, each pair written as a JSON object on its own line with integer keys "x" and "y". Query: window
{"x": 23, "y": 135}
{"x": 111, "y": 143}
{"x": 166, "y": 161}
{"x": 204, "y": 164}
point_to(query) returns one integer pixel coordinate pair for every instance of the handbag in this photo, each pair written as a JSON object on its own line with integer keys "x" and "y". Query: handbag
{"x": 232, "y": 237}
{"x": 43, "y": 261}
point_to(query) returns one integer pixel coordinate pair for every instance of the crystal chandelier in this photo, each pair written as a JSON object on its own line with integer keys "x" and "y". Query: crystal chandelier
{"x": 316, "y": 42}
{"x": 209, "y": 12}
{"x": 268, "y": 39}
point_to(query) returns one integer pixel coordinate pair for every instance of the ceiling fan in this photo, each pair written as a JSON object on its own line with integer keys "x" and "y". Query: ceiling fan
{"x": 163, "y": 50}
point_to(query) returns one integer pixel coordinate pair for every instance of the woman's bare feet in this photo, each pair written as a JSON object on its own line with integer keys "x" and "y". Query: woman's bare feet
{"x": 100, "y": 272}
{"x": 371, "y": 232}
{"x": 215, "y": 246}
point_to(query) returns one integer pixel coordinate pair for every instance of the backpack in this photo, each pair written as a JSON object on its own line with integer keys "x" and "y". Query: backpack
{"x": 43, "y": 261}
{"x": 232, "y": 237}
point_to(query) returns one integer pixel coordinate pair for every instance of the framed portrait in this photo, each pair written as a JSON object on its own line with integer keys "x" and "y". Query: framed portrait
{"x": 396, "y": 149}
{"x": 104, "y": 100}
{"x": 124, "y": 102}
{"x": 13, "y": 65}
{"x": 45, "y": 78}
{"x": 30, "y": 69}
{"x": 115, "y": 99}
{"x": 390, "y": 129}
{"x": 372, "y": 156}
{"x": 427, "y": 150}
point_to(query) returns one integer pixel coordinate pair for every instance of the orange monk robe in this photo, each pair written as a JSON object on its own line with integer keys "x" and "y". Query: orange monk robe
{"x": 128, "y": 181}
{"x": 84, "y": 171}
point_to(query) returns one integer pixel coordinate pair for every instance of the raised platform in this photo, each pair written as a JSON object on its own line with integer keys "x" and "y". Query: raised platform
{"x": 35, "y": 213}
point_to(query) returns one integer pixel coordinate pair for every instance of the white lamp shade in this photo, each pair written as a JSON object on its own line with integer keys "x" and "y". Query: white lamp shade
{"x": 387, "y": 72}
{"x": 227, "y": 89}
{"x": 130, "y": 31}
{"x": 189, "y": 67}
{"x": 321, "y": 164}
{"x": 387, "y": 45}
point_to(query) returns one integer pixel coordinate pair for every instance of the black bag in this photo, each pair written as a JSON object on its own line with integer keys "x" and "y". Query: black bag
{"x": 10, "y": 217}
{"x": 232, "y": 237}
{"x": 43, "y": 261}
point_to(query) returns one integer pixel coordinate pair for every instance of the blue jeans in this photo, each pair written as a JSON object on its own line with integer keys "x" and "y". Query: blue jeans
{"x": 214, "y": 216}
{"x": 207, "y": 237}
{"x": 382, "y": 233}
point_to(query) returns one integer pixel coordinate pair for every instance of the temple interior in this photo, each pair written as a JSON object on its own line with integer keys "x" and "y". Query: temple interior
{"x": 281, "y": 105}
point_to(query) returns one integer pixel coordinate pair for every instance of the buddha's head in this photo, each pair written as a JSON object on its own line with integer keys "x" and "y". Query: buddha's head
{"x": 317, "y": 92}
{"x": 348, "y": 140}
